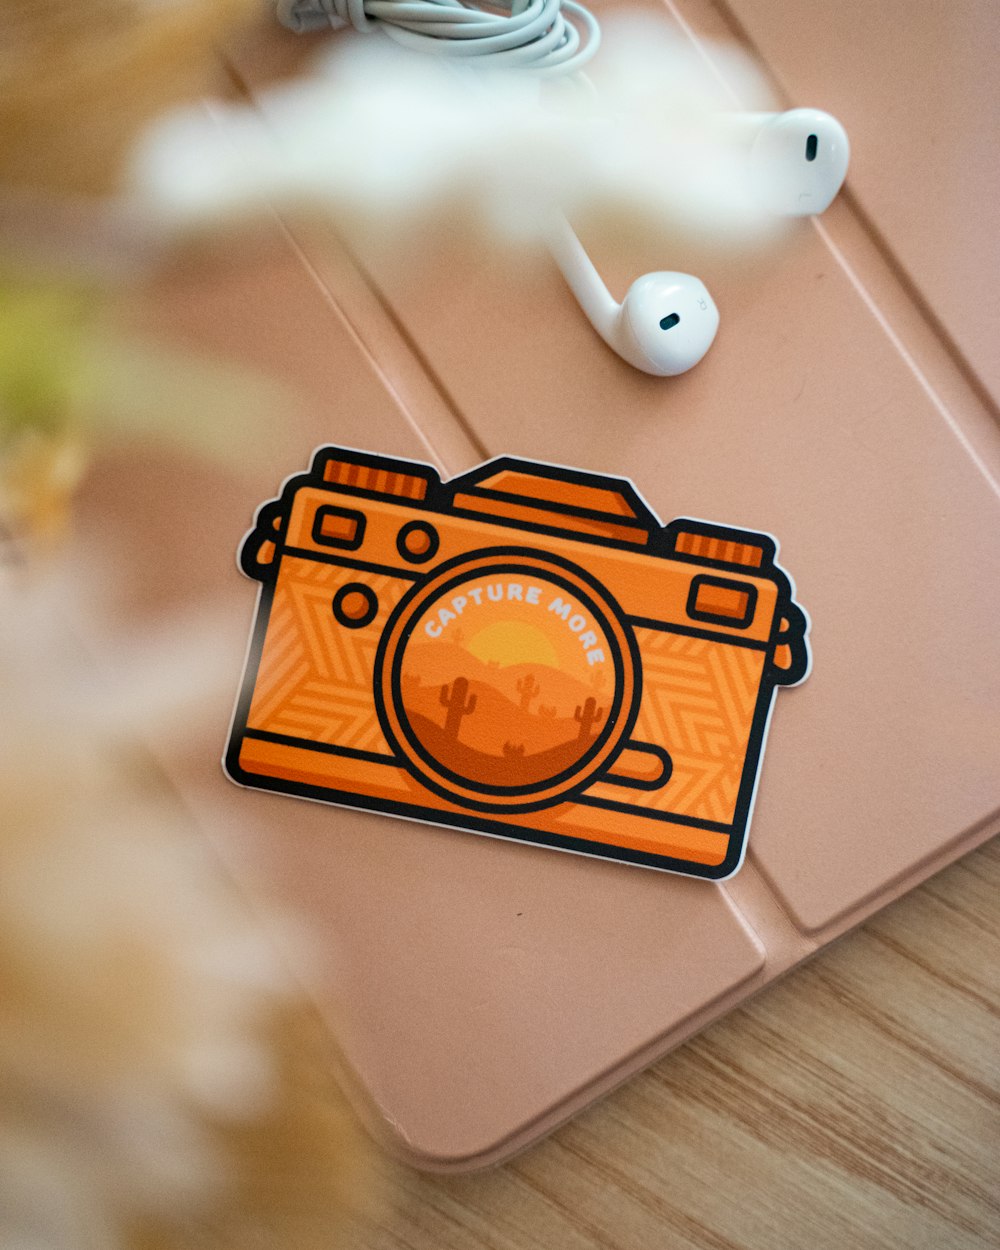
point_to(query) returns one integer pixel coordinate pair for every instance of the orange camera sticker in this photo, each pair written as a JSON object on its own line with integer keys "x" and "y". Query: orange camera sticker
{"x": 523, "y": 651}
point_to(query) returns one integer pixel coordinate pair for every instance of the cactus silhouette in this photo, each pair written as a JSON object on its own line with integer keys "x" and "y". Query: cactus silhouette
{"x": 453, "y": 698}
{"x": 546, "y": 711}
{"x": 588, "y": 716}
{"x": 528, "y": 689}
{"x": 513, "y": 752}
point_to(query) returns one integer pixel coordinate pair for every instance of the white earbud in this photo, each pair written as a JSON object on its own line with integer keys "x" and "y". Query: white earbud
{"x": 797, "y": 161}
{"x": 664, "y": 325}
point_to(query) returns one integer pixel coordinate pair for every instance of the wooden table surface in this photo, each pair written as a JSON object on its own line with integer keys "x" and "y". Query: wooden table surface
{"x": 854, "y": 1104}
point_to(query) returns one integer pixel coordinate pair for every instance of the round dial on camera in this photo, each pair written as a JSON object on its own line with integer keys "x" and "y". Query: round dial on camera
{"x": 417, "y": 542}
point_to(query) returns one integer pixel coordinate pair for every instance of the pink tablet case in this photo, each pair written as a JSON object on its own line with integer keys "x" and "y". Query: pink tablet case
{"x": 479, "y": 992}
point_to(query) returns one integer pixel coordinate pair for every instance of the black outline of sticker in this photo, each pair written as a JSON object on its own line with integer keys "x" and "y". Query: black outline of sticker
{"x": 270, "y": 527}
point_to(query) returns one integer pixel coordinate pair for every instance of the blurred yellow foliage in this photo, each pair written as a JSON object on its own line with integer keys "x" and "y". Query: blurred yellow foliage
{"x": 156, "y": 1090}
{"x": 46, "y": 377}
{"x": 78, "y": 83}
{"x": 44, "y": 370}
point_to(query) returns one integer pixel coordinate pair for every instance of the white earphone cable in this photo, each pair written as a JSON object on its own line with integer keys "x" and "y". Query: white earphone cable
{"x": 534, "y": 35}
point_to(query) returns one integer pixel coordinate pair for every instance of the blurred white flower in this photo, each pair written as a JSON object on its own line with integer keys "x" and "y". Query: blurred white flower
{"x": 134, "y": 989}
{"x": 383, "y": 137}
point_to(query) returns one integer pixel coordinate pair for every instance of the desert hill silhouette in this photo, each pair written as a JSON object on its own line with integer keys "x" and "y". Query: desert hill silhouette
{"x": 502, "y": 770}
{"x": 515, "y": 725}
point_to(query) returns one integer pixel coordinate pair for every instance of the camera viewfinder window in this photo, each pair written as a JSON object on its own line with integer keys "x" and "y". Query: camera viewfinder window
{"x": 339, "y": 527}
{"x": 721, "y": 601}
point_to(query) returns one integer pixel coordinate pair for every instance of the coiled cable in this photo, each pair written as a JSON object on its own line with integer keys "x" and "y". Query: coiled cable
{"x": 532, "y": 35}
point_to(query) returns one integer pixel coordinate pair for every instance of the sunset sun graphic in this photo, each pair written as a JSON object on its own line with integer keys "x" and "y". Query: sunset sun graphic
{"x": 512, "y": 642}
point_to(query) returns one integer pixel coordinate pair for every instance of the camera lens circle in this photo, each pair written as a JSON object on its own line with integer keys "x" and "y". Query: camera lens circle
{"x": 507, "y": 680}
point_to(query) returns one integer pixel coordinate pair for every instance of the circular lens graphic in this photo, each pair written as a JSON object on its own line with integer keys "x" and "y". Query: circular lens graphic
{"x": 507, "y": 680}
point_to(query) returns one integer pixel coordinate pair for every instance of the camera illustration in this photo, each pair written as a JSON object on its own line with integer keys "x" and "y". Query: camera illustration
{"x": 523, "y": 651}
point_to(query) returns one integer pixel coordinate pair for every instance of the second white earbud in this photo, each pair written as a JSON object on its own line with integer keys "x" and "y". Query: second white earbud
{"x": 797, "y": 160}
{"x": 664, "y": 325}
